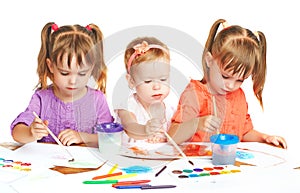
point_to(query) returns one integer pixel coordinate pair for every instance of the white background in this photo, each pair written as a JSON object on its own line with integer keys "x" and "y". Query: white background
{"x": 22, "y": 21}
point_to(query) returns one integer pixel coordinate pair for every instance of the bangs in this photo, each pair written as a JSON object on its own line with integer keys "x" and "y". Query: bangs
{"x": 74, "y": 46}
{"x": 238, "y": 60}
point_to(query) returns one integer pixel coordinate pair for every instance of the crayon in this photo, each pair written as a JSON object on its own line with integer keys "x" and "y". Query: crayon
{"x": 100, "y": 182}
{"x": 107, "y": 175}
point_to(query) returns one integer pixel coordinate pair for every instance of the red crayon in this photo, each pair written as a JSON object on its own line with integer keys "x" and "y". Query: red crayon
{"x": 107, "y": 175}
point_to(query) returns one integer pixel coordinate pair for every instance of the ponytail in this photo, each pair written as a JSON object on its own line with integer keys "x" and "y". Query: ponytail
{"x": 100, "y": 71}
{"x": 259, "y": 71}
{"x": 42, "y": 69}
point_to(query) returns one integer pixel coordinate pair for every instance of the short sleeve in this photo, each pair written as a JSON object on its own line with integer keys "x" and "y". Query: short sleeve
{"x": 27, "y": 116}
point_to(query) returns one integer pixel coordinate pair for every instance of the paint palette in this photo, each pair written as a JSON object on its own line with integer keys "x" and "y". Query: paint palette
{"x": 202, "y": 171}
{"x": 205, "y": 171}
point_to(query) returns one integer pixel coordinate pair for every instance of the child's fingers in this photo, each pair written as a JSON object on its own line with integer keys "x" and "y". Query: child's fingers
{"x": 38, "y": 131}
{"x": 153, "y": 126}
{"x": 37, "y": 121}
{"x": 212, "y": 124}
{"x": 69, "y": 136}
{"x": 277, "y": 141}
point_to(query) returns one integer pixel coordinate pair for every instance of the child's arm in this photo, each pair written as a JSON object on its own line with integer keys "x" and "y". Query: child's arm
{"x": 24, "y": 134}
{"x": 182, "y": 132}
{"x": 257, "y": 136}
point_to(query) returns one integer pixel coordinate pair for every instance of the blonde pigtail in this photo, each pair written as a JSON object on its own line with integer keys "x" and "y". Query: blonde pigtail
{"x": 209, "y": 43}
{"x": 259, "y": 72}
{"x": 100, "y": 71}
{"x": 212, "y": 34}
{"x": 42, "y": 69}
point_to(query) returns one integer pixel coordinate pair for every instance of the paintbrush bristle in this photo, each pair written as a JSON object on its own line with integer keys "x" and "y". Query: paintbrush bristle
{"x": 191, "y": 162}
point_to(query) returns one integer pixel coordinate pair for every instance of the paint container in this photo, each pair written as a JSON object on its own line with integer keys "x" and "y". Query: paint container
{"x": 109, "y": 138}
{"x": 224, "y": 149}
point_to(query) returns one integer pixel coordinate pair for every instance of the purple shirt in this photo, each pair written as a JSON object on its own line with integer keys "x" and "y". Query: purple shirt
{"x": 80, "y": 115}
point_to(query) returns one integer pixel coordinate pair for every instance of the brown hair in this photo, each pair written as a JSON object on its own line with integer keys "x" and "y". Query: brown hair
{"x": 240, "y": 50}
{"x": 72, "y": 40}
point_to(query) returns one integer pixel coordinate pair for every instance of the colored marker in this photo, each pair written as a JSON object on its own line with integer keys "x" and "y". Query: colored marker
{"x": 160, "y": 171}
{"x": 107, "y": 175}
{"x": 157, "y": 187}
{"x": 100, "y": 182}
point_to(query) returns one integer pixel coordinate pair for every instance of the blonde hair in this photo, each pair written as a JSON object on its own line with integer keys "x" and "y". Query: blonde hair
{"x": 150, "y": 55}
{"x": 239, "y": 50}
{"x": 72, "y": 40}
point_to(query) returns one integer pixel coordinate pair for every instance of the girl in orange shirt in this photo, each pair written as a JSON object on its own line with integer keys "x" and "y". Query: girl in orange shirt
{"x": 217, "y": 103}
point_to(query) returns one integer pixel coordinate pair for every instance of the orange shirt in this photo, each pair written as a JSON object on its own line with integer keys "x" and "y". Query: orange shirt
{"x": 232, "y": 108}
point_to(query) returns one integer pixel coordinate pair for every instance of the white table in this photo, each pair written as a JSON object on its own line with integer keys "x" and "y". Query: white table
{"x": 265, "y": 177}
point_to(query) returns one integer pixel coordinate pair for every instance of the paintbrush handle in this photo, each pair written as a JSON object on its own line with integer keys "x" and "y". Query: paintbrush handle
{"x": 215, "y": 110}
{"x": 175, "y": 144}
{"x": 54, "y": 137}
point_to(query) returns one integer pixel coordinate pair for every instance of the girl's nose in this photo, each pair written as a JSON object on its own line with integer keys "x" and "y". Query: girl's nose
{"x": 156, "y": 85}
{"x": 73, "y": 79}
{"x": 229, "y": 85}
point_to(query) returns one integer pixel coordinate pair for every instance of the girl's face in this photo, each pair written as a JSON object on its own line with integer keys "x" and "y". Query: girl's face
{"x": 151, "y": 81}
{"x": 70, "y": 83}
{"x": 222, "y": 81}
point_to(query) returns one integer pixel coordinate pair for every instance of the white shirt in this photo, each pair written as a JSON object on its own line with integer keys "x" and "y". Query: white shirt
{"x": 142, "y": 116}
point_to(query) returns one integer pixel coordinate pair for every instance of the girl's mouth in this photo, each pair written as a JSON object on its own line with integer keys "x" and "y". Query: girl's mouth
{"x": 157, "y": 96}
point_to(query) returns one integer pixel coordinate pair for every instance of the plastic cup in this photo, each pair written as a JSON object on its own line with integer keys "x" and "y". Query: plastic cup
{"x": 224, "y": 149}
{"x": 109, "y": 138}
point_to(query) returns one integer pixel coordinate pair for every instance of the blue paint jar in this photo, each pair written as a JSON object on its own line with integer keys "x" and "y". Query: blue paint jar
{"x": 224, "y": 149}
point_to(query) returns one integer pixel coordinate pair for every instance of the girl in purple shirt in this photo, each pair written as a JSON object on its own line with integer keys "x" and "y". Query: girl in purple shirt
{"x": 68, "y": 57}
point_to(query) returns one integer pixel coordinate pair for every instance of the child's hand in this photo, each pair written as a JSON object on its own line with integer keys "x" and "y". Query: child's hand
{"x": 38, "y": 128}
{"x": 69, "y": 136}
{"x": 209, "y": 123}
{"x": 153, "y": 126}
{"x": 277, "y": 141}
{"x": 157, "y": 138}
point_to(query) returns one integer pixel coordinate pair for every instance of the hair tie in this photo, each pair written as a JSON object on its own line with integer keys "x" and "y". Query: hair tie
{"x": 88, "y": 27}
{"x": 256, "y": 34}
{"x": 54, "y": 27}
{"x": 141, "y": 49}
{"x": 225, "y": 25}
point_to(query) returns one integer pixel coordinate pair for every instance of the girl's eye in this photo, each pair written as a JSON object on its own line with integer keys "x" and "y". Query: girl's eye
{"x": 163, "y": 79}
{"x": 225, "y": 77}
{"x": 147, "y": 81}
{"x": 82, "y": 74}
{"x": 64, "y": 73}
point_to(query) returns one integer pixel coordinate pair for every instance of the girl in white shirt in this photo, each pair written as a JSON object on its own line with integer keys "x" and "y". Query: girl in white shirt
{"x": 147, "y": 62}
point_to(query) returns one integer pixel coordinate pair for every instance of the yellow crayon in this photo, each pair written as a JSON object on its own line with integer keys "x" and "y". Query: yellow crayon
{"x": 113, "y": 169}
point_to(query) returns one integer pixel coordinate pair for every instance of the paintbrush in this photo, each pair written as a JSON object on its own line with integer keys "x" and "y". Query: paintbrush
{"x": 157, "y": 110}
{"x": 215, "y": 110}
{"x": 56, "y": 139}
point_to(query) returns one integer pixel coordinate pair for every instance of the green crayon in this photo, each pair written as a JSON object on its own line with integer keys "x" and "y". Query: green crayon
{"x": 100, "y": 181}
